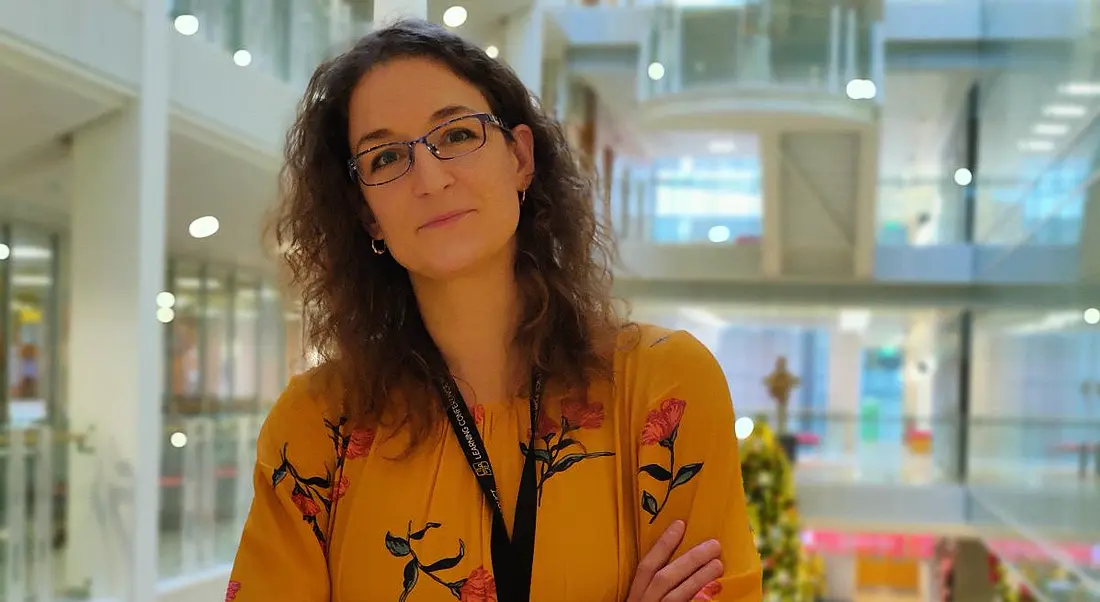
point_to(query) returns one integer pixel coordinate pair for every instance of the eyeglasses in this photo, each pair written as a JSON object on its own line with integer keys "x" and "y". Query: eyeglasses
{"x": 451, "y": 139}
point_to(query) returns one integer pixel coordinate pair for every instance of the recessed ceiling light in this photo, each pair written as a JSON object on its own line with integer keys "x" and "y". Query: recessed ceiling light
{"x": 242, "y": 58}
{"x": 1061, "y": 110}
{"x": 1092, "y": 316}
{"x": 963, "y": 177}
{"x": 743, "y": 427}
{"x": 492, "y": 51}
{"x": 722, "y": 146}
{"x": 1050, "y": 129}
{"x": 1080, "y": 89}
{"x": 165, "y": 299}
{"x": 1036, "y": 146}
{"x": 165, "y": 314}
{"x": 718, "y": 234}
{"x": 187, "y": 25}
{"x": 5, "y": 251}
{"x": 204, "y": 227}
{"x": 454, "y": 16}
{"x": 861, "y": 89}
{"x": 655, "y": 71}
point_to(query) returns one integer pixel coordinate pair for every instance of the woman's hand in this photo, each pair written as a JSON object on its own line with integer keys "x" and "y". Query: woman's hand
{"x": 658, "y": 580}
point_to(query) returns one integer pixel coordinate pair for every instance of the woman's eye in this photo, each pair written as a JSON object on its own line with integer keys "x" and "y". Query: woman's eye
{"x": 458, "y": 135}
{"x": 383, "y": 159}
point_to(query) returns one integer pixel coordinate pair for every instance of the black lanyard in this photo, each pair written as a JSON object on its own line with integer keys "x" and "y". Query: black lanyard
{"x": 512, "y": 559}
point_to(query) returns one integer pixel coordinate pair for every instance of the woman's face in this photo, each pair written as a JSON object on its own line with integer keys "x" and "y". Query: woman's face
{"x": 442, "y": 218}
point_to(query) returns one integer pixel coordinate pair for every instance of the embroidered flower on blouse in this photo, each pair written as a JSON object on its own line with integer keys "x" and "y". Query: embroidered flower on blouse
{"x": 661, "y": 423}
{"x": 581, "y": 414}
{"x": 305, "y": 504}
{"x": 708, "y": 592}
{"x": 359, "y": 443}
{"x": 479, "y": 586}
{"x": 231, "y": 591}
{"x": 545, "y": 427}
{"x": 478, "y": 412}
{"x": 340, "y": 488}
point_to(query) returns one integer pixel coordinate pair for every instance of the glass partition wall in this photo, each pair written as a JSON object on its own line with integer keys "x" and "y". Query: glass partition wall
{"x": 231, "y": 343}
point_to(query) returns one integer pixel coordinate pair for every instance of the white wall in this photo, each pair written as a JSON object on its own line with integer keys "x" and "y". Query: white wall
{"x": 99, "y": 40}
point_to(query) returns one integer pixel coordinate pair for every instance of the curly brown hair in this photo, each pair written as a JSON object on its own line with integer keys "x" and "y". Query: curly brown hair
{"x": 361, "y": 314}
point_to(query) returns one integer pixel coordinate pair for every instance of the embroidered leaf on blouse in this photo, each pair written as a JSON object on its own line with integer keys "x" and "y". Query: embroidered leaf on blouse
{"x": 447, "y": 563}
{"x": 411, "y": 573}
{"x": 396, "y": 545}
{"x": 420, "y": 534}
{"x": 686, "y": 473}
{"x": 657, "y": 472}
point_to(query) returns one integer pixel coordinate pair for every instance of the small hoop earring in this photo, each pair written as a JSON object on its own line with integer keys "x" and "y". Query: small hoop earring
{"x": 522, "y": 196}
{"x": 374, "y": 246}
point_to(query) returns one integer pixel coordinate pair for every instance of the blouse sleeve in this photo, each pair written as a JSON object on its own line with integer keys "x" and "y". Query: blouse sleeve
{"x": 282, "y": 553}
{"x": 688, "y": 463}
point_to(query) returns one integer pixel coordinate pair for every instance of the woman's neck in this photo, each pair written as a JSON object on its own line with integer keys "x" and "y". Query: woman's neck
{"x": 472, "y": 319}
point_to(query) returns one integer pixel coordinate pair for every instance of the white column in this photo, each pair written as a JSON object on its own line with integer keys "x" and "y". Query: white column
{"x": 523, "y": 42}
{"x": 116, "y": 354}
{"x": 851, "y": 39}
{"x": 771, "y": 241}
{"x": 833, "y": 51}
{"x": 920, "y": 350}
{"x": 388, "y": 11}
{"x": 845, "y": 385}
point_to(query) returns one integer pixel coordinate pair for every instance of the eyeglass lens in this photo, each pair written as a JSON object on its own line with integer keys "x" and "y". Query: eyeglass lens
{"x": 448, "y": 141}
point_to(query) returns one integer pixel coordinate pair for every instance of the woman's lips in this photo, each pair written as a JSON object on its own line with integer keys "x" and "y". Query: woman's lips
{"x": 445, "y": 219}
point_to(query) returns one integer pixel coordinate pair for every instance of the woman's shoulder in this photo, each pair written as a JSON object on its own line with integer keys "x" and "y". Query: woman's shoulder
{"x": 657, "y": 349}
{"x": 657, "y": 366}
{"x": 306, "y": 415}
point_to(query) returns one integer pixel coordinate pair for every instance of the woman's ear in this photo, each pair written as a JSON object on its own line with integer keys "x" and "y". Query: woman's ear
{"x": 369, "y": 223}
{"x": 523, "y": 147}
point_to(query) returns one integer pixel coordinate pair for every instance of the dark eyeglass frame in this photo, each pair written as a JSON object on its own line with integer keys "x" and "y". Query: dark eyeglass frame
{"x": 486, "y": 120}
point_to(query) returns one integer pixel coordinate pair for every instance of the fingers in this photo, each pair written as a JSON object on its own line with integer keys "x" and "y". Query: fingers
{"x": 682, "y": 570}
{"x": 693, "y": 584}
{"x": 655, "y": 560}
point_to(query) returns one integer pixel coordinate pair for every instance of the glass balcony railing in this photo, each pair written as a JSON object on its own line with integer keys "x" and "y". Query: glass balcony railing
{"x": 58, "y": 509}
{"x": 816, "y": 46}
{"x": 285, "y": 38}
{"x": 1042, "y": 474}
{"x": 692, "y": 200}
{"x": 1053, "y": 569}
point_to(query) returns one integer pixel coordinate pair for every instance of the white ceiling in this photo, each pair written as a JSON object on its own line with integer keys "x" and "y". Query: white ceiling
{"x": 919, "y": 111}
{"x": 202, "y": 179}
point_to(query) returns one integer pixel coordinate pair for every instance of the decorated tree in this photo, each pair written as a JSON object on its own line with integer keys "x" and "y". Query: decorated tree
{"x": 1002, "y": 585}
{"x": 779, "y": 384}
{"x": 1006, "y": 587}
{"x": 769, "y": 491}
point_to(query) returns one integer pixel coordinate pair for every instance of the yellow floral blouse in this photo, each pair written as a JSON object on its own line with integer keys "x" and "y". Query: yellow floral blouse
{"x": 336, "y": 517}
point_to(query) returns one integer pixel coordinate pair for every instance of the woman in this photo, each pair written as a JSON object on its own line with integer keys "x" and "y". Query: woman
{"x": 483, "y": 427}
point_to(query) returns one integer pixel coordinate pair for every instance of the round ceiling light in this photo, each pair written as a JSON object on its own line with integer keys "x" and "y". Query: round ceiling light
{"x": 187, "y": 25}
{"x": 454, "y": 16}
{"x": 204, "y": 227}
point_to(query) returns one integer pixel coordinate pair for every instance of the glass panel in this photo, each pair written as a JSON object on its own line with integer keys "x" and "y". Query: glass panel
{"x": 286, "y": 38}
{"x": 246, "y": 324}
{"x": 296, "y": 361}
{"x": 217, "y": 360}
{"x": 185, "y": 373}
{"x": 33, "y": 291}
{"x": 818, "y": 45}
{"x": 272, "y": 347}
{"x": 693, "y": 199}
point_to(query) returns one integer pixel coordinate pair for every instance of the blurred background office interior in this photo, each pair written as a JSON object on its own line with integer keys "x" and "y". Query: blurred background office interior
{"x": 885, "y": 212}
